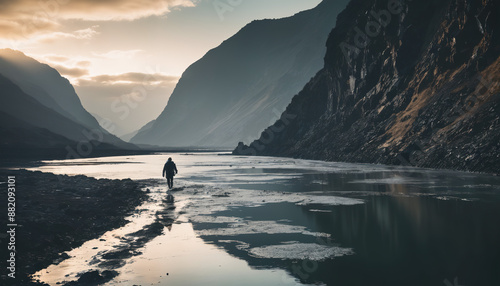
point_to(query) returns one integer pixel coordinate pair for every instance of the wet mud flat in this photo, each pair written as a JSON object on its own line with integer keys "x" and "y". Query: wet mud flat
{"x": 56, "y": 213}
{"x": 100, "y": 260}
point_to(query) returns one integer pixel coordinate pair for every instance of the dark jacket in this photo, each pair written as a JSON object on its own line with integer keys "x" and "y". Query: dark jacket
{"x": 169, "y": 170}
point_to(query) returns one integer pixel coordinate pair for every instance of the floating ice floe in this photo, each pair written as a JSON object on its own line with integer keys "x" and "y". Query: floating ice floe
{"x": 258, "y": 227}
{"x": 326, "y": 200}
{"x": 450, "y": 198}
{"x": 215, "y": 219}
{"x": 389, "y": 181}
{"x": 239, "y": 244}
{"x": 320, "y": 211}
{"x": 209, "y": 200}
{"x": 300, "y": 251}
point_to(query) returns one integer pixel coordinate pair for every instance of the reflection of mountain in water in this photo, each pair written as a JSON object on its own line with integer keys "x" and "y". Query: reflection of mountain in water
{"x": 404, "y": 239}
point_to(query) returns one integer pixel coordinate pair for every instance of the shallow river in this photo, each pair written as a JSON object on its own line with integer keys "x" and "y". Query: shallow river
{"x": 273, "y": 221}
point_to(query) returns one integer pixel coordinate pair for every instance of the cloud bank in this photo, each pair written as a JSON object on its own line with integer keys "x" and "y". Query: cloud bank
{"x": 25, "y": 18}
{"x": 131, "y": 78}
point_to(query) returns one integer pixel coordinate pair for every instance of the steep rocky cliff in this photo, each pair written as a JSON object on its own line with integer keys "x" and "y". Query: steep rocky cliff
{"x": 242, "y": 86}
{"x": 404, "y": 82}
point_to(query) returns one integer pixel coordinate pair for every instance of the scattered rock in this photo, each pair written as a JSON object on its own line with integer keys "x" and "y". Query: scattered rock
{"x": 94, "y": 277}
{"x": 61, "y": 212}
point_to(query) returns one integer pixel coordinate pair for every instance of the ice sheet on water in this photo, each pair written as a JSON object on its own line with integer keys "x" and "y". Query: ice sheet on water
{"x": 389, "y": 181}
{"x": 327, "y": 200}
{"x": 300, "y": 251}
{"x": 239, "y": 244}
{"x": 482, "y": 186}
{"x": 209, "y": 200}
{"x": 320, "y": 211}
{"x": 258, "y": 227}
{"x": 451, "y": 198}
{"x": 215, "y": 219}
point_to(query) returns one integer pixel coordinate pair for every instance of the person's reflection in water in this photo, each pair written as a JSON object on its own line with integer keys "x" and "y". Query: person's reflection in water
{"x": 169, "y": 171}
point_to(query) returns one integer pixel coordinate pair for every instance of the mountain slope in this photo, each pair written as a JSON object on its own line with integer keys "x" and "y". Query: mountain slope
{"x": 422, "y": 93}
{"x": 129, "y": 136}
{"x": 18, "y": 134}
{"x": 239, "y": 88}
{"x": 38, "y": 95}
{"x": 31, "y": 124}
{"x": 44, "y": 84}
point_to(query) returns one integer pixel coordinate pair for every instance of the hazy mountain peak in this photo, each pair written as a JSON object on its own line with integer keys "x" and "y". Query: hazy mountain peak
{"x": 241, "y": 86}
{"x": 38, "y": 95}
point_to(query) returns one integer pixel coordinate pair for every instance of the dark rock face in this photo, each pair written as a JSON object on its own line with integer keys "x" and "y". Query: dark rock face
{"x": 241, "y": 87}
{"x": 405, "y": 82}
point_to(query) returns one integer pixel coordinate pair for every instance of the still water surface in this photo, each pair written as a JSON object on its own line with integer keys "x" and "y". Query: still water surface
{"x": 273, "y": 221}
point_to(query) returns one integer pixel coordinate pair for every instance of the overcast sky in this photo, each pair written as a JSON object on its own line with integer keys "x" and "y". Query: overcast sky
{"x": 113, "y": 50}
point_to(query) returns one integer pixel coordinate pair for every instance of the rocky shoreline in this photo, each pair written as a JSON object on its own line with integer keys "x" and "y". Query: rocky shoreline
{"x": 56, "y": 213}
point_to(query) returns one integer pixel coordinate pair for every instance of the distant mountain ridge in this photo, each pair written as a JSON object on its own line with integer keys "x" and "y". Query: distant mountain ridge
{"x": 45, "y": 84}
{"x": 129, "y": 136}
{"x": 240, "y": 87}
{"x": 42, "y": 110}
{"x": 422, "y": 91}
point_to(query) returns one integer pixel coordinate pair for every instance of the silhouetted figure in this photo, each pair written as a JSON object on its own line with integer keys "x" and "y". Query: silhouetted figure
{"x": 169, "y": 171}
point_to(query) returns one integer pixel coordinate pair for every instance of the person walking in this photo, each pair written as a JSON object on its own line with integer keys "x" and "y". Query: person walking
{"x": 169, "y": 171}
